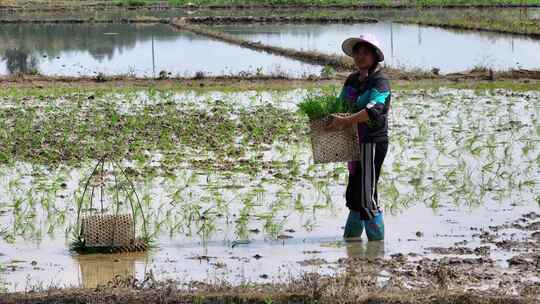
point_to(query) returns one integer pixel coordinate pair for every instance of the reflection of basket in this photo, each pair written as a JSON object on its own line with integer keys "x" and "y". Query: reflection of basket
{"x": 101, "y": 269}
{"x": 103, "y": 230}
{"x": 339, "y": 146}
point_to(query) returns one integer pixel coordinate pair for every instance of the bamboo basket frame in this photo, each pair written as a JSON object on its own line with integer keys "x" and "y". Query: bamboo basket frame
{"x": 103, "y": 232}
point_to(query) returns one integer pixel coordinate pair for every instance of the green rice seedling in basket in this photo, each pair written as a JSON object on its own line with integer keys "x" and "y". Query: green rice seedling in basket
{"x": 329, "y": 146}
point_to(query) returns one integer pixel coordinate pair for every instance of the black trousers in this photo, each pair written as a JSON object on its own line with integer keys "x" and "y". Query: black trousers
{"x": 361, "y": 194}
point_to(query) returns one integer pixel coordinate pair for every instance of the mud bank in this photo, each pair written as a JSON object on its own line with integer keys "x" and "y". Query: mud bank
{"x": 200, "y": 20}
{"x": 272, "y": 19}
{"x": 110, "y": 5}
{"x": 168, "y": 294}
{"x": 528, "y": 80}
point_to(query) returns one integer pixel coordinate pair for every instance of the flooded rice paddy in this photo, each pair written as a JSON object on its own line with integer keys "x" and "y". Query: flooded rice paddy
{"x": 406, "y": 46}
{"x": 230, "y": 191}
{"x": 157, "y": 50}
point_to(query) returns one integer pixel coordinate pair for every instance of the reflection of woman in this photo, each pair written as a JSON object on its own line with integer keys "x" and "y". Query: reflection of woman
{"x": 369, "y": 90}
{"x": 368, "y": 250}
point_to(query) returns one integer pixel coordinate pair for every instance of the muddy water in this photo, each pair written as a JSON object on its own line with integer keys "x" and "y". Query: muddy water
{"x": 451, "y": 172}
{"x": 405, "y": 46}
{"x": 74, "y": 50}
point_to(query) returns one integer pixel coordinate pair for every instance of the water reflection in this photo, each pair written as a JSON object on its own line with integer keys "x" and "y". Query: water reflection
{"x": 135, "y": 50}
{"x": 101, "y": 269}
{"x": 406, "y": 46}
{"x": 20, "y": 61}
{"x": 365, "y": 249}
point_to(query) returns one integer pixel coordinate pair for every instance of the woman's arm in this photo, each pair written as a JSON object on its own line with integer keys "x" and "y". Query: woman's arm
{"x": 373, "y": 111}
{"x": 339, "y": 122}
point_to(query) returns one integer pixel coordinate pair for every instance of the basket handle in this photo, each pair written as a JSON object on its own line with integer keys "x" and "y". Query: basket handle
{"x": 79, "y": 205}
{"x": 145, "y": 231}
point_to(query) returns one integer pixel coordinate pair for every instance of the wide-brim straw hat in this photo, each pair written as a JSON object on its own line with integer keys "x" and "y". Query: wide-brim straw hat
{"x": 370, "y": 39}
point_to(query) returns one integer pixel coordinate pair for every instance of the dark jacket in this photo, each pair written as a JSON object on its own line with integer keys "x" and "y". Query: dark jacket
{"x": 374, "y": 95}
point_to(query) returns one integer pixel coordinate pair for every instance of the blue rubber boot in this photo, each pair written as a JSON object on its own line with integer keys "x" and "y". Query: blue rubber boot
{"x": 375, "y": 228}
{"x": 354, "y": 226}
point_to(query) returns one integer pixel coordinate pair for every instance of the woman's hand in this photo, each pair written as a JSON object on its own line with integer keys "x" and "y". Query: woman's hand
{"x": 338, "y": 123}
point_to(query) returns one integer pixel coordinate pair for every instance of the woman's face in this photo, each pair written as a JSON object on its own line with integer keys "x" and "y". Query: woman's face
{"x": 363, "y": 56}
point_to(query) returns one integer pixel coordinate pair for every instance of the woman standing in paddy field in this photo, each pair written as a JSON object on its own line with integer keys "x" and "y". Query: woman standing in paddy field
{"x": 368, "y": 90}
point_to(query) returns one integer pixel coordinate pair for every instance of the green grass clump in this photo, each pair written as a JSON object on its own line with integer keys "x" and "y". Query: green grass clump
{"x": 135, "y": 2}
{"x": 319, "y": 106}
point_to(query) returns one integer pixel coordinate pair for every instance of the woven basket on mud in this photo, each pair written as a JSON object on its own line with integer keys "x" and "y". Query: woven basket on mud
{"x": 335, "y": 146}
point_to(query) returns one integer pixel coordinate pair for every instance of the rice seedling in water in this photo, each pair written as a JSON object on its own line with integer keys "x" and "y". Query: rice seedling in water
{"x": 248, "y": 164}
